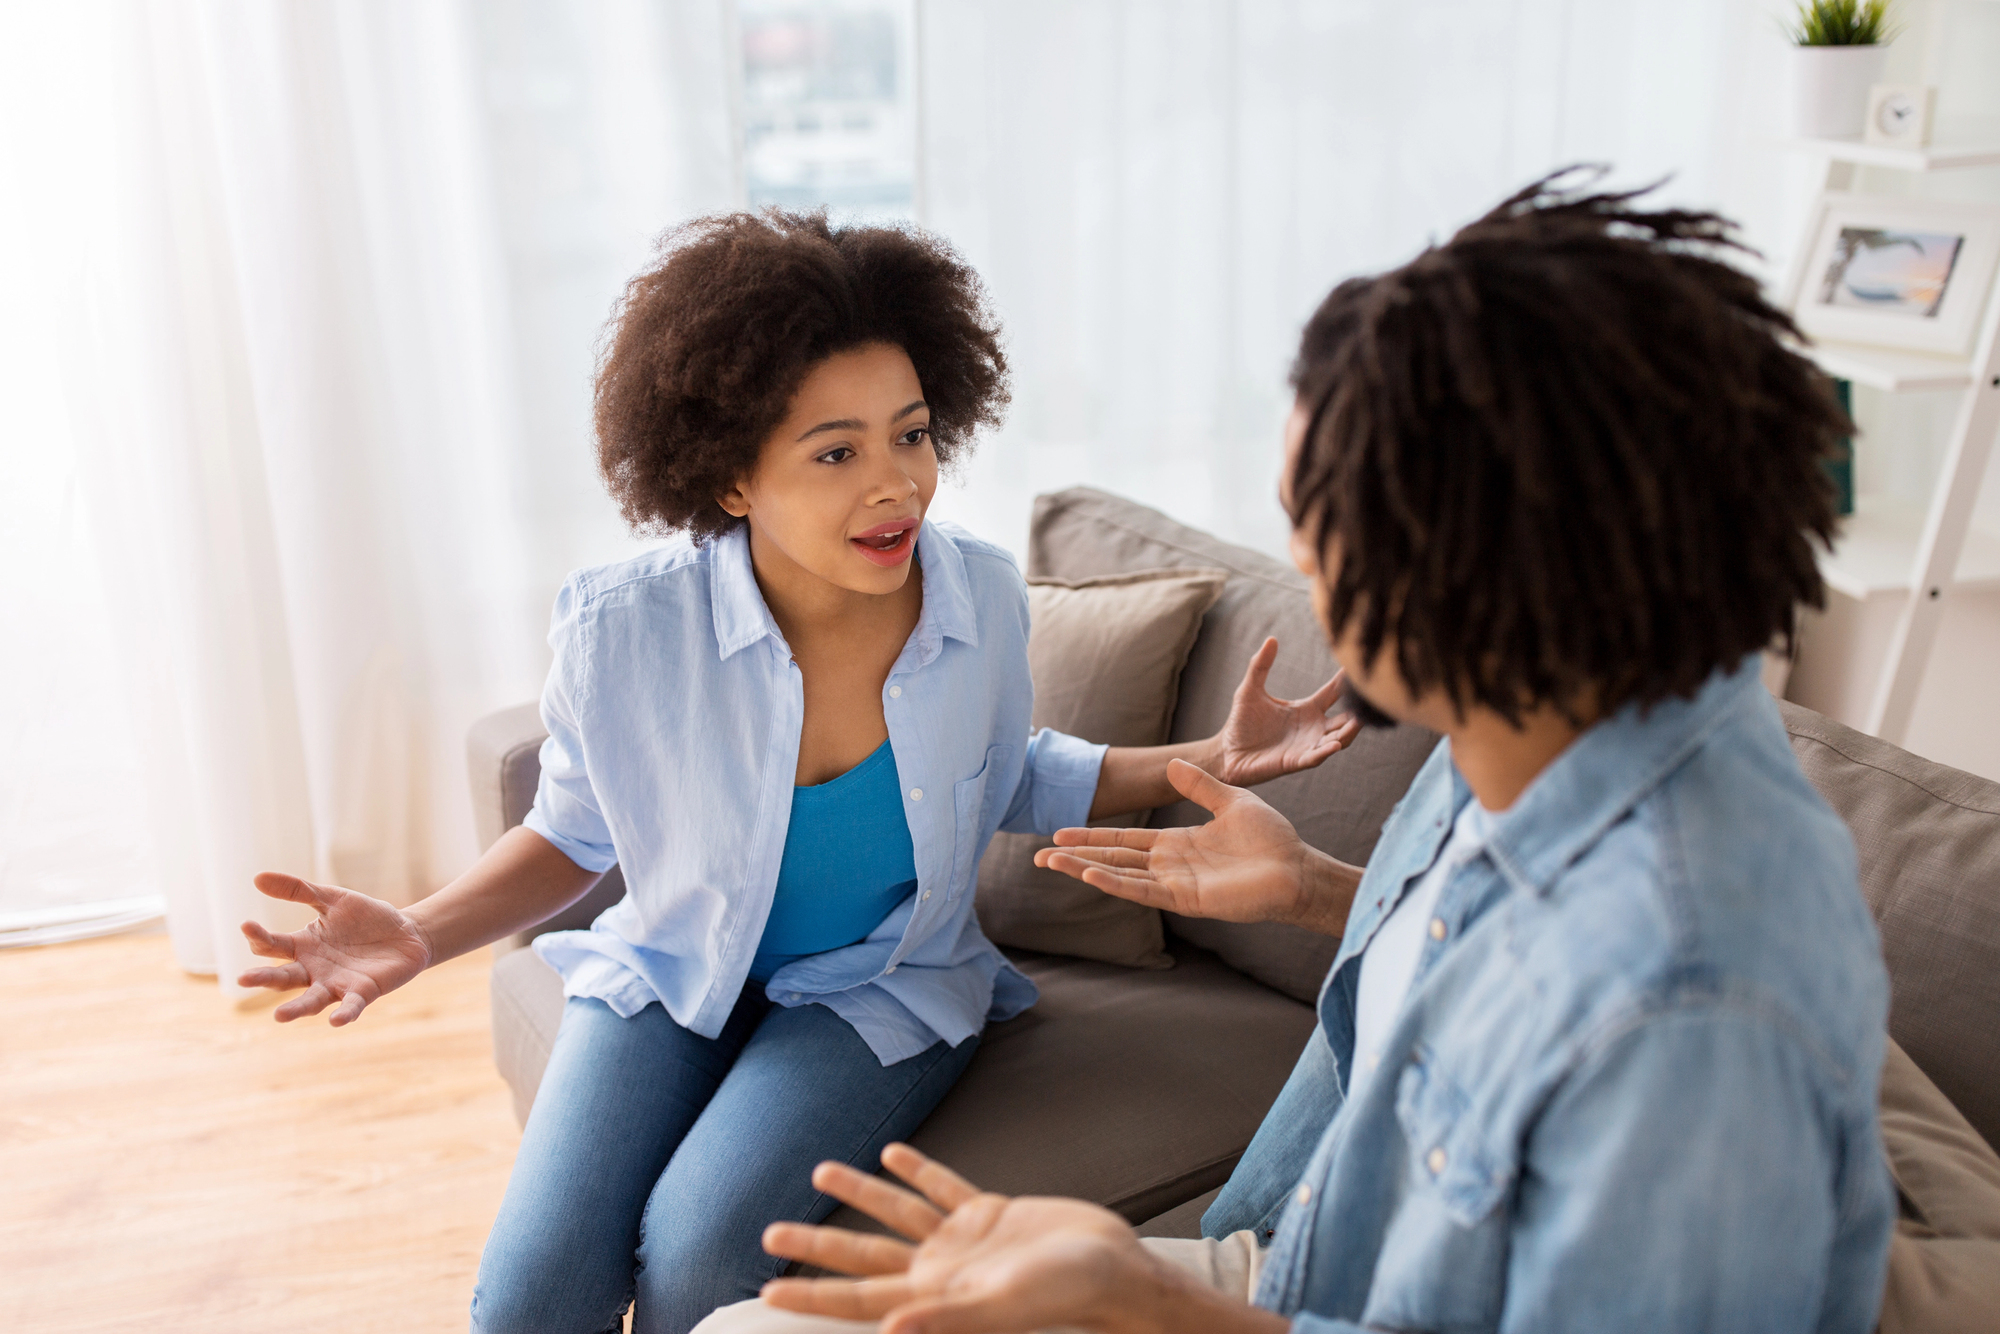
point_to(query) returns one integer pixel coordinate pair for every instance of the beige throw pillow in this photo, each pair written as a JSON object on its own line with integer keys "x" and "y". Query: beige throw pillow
{"x": 1944, "y": 1261}
{"x": 1106, "y": 655}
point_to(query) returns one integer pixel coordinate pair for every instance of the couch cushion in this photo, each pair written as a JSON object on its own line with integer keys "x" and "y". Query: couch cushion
{"x": 1944, "y": 1263}
{"x": 1929, "y": 840}
{"x": 1106, "y": 655}
{"x": 1137, "y": 1090}
{"x": 1339, "y": 807}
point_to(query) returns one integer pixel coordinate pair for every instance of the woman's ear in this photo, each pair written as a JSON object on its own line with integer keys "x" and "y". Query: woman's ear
{"x": 734, "y": 502}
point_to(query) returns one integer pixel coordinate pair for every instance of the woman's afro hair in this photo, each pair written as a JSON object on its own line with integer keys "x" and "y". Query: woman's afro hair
{"x": 709, "y": 344}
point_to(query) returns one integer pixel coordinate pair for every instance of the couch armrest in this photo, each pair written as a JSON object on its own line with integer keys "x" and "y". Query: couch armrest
{"x": 504, "y": 751}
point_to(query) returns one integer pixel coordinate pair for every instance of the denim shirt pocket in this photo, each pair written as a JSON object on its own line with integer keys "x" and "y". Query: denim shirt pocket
{"x": 1454, "y": 1150}
{"x": 975, "y": 814}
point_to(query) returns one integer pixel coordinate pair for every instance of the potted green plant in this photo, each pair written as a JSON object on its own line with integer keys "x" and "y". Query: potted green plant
{"x": 1838, "y": 50}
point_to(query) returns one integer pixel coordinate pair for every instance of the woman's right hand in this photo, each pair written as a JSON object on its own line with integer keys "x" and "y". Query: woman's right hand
{"x": 359, "y": 949}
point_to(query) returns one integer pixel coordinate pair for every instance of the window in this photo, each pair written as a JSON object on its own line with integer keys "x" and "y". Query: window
{"x": 829, "y": 111}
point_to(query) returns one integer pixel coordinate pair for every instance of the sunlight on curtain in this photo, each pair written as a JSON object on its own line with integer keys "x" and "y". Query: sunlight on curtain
{"x": 317, "y": 291}
{"x": 75, "y": 851}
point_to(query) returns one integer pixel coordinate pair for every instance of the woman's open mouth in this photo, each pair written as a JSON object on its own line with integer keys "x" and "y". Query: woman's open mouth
{"x": 888, "y": 545}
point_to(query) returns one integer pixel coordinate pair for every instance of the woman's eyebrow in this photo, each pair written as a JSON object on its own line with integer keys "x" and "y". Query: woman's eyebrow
{"x": 852, "y": 424}
{"x": 844, "y": 424}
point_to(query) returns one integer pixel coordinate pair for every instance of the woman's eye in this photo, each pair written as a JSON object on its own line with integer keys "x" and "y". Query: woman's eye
{"x": 915, "y": 435}
{"x": 838, "y": 454}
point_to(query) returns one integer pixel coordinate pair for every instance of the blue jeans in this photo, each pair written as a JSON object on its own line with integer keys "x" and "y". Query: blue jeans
{"x": 654, "y": 1159}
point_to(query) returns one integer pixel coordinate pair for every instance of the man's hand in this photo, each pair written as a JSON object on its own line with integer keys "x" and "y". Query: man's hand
{"x": 986, "y": 1264}
{"x": 1266, "y": 737}
{"x": 358, "y": 950}
{"x": 1246, "y": 865}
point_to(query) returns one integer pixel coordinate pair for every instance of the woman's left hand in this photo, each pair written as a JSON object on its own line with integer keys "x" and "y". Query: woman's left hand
{"x": 1266, "y": 737}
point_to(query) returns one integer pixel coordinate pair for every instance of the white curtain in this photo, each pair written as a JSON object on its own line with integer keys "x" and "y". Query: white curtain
{"x": 1159, "y": 193}
{"x": 303, "y": 296}
{"x": 270, "y": 274}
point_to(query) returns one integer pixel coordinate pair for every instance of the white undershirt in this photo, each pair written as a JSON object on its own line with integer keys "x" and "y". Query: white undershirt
{"x": 1390, "y": 961}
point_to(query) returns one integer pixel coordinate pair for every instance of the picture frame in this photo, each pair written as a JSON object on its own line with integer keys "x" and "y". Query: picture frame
{"x": 1894, "y": 272}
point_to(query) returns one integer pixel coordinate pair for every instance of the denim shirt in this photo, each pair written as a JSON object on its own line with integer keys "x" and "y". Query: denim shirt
{"x": 1633, "y": 1084}
{"x": 674, "y": 710}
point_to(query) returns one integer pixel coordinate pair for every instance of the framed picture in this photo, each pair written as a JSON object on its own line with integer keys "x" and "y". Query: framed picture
{"x": 1895, "y": 272}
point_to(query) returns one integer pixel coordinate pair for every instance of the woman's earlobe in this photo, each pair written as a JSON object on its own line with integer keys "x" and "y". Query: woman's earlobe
{"x": 733, "y": 503}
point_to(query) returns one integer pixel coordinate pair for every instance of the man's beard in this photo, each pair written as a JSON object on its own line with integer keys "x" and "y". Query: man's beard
{"x": 1354, "y": 702}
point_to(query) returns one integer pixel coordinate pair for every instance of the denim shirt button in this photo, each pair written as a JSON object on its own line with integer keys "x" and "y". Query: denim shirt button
{"x": 890, "y": 969}
{"x": 1305, "y": 1195}
{"x": 916, "y": 794}
{"x": 1437, "y": 928}
{"x": 895, "y": 692}
{"x": 1435, "y": 1160}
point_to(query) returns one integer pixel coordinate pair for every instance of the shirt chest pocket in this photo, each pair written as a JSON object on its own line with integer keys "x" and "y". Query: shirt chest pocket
{"x": 1455, "y": 1150}
{"x": 976, "y": 805}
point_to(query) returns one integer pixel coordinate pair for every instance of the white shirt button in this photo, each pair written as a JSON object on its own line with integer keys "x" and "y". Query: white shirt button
{"x": 895, "y": 692}
{"x": 1305, "y": 1195}
{"x": 1437, "y": 928}
{"x": 1435, "y": 1160}
{"x": 1374, "y": 1059}
{"x": 927, "y": 896}
{"x": 916, "y": 794}
{"x": 890, "y": 969}
{"x": 796, "y": 996}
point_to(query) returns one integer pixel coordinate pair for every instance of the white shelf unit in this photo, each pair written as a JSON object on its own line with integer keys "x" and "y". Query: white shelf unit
{"x": 1877, "y": 551}
{"x": 1935, "y": 157}
{"x": 1896, "y": 372}
{"x": 1887, "y": 550}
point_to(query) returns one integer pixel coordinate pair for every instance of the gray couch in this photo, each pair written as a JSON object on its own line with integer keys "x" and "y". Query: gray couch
{"x": 1140, "y": 1089}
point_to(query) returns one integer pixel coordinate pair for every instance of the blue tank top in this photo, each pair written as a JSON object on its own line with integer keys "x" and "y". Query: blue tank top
{"x": 848, "y": 862}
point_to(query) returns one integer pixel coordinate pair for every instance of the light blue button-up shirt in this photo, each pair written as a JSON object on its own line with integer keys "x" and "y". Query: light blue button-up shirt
{"x": 1633, "y": 1084}
{"x": 674, "y": 710}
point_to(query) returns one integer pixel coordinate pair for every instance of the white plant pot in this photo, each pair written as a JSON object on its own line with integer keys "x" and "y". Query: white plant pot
{"x": 1830, "y": 89}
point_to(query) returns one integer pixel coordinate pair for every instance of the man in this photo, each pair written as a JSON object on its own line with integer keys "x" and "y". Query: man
{"x": 1601, "y": 1045}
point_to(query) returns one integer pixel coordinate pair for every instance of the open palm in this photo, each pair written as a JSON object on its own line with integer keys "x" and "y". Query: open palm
{"x": 1245, "y": 865}
{"x": 1266, "y": 737}
{"x": 359, "y": 949}
{"x": 973, "y": 1261}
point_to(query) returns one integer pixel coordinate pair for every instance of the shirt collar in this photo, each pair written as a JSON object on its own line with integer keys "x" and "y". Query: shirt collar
{"x": 742, "y": 617}
{"x": 1604, "y": 773}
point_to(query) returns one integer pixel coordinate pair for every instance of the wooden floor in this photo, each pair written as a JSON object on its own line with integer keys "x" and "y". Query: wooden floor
{"x": 169, "y": 1164}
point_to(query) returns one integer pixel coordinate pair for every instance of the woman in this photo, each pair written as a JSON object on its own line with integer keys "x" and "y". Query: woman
{"x": 795, "y": 727}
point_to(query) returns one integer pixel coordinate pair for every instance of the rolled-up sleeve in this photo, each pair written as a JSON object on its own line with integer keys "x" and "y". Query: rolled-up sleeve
{"x": 1058, "y": 783}
{"x": 566, "y": 811}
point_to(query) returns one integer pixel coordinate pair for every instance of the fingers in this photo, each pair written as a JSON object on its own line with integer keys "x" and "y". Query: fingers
{"x": 267, "y": 946}
{"x": 1129, "y": 859}
{"x": 1201, "y": 787}
{"x": 1151, "y": 893}
{"x": 887, "y": 1204}
{"x": 940, "y": 1185}
{"x": 287, "y": 978}
{"x": 1259, "y": 670}
{"x": 350, "y": 1008}
{"x": 310, "y": 1001}
{"x": 848, "y": 1299}
{"x": 1107, "y": 838}
{"x": 278, "y": 885}
{"x": 837, "y": 1249}
{"x": 1328, "y": 695}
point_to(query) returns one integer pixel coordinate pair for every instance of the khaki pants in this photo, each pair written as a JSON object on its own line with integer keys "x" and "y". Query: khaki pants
{"x": 1229, "y": 1265}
